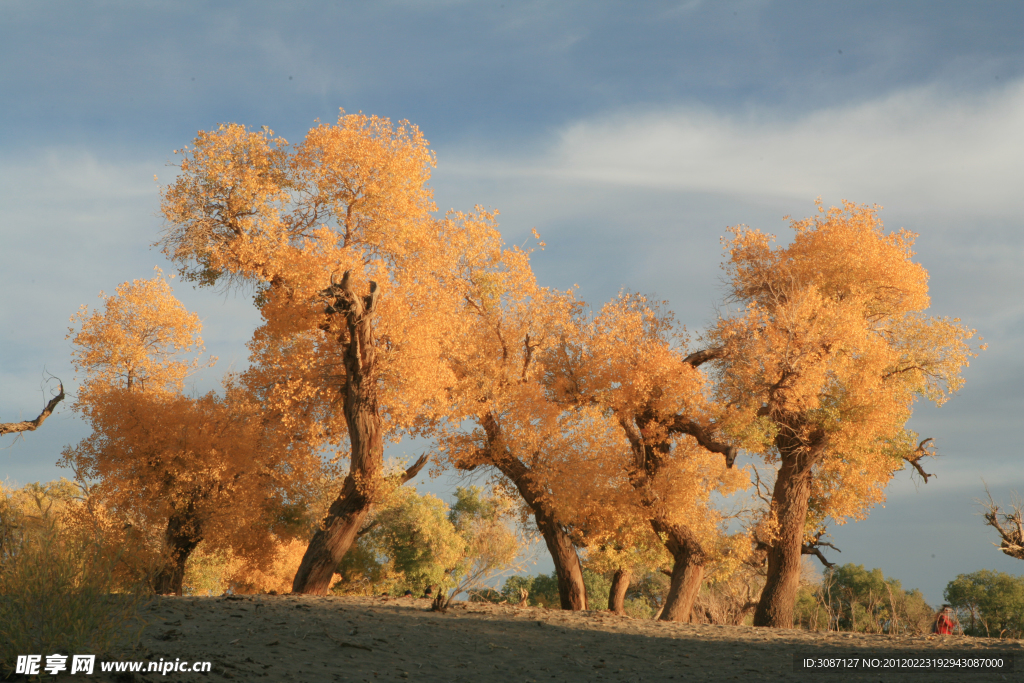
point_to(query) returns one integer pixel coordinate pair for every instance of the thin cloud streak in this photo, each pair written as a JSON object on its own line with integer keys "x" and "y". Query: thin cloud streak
{"x": 922, "y": 146}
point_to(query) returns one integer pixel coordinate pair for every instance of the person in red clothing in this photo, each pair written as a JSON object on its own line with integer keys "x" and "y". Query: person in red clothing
{"x": 945, "y": 622}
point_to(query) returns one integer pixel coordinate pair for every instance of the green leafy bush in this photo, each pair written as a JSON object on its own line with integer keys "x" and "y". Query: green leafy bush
{"x": 852, "y": 598}
{"x": 418, "y": 542}
{"x": 598, "y": 587}
{"x": 988, "y": 603}
{"x": 542, "y": 590}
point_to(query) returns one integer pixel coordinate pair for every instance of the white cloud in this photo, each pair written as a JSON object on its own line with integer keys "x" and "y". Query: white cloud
{"x": 923, "y": 149}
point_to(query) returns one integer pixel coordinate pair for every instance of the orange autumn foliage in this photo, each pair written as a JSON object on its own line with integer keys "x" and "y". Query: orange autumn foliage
{"x": 631, "y": 364}
{"x": 824, "y": 361}
{"x": 351, "y": 271}
{"x": 506, "y": 325}
{"x": 187, "y": 469}
{"x": 351, "y": 197}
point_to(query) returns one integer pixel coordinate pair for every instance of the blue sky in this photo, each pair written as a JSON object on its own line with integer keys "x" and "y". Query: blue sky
{"x": 630, "y": 135}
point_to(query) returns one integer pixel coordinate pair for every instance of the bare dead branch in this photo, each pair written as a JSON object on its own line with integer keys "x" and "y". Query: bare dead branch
{"x": 923, "y": 450}
{"x": 1010, "y": 526}
{"x": 415, "y": 468}
{"x": 814, "y": 548}
{"x": 32, "y": 425}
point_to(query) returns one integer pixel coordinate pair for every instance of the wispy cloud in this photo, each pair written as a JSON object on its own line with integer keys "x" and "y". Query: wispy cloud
{"x": 923, "y": 148}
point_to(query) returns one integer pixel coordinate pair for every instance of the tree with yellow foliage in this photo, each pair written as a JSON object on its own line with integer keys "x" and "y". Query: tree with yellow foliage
{"x": 350, "y": 267}
{"x": 631, "y": 362}
{"x": 506, "y": 324}
{"x": 194, "y": 468}
{"x": 821, "y": 366}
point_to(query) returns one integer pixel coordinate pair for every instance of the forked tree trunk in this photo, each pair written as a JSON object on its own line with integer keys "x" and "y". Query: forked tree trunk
{"x": 617, "y": 594}
{"x": 789, "y": 501}
{"x": 183, "y": 534}
{"x": 688, "y": 556}
{"x": 687, "y": 570}
{"x": 363, "y": 485}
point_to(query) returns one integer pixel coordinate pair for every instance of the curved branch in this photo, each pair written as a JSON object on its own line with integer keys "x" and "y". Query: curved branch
{"x": 698, "y": 358}
{"x": 415, "y": 468}
{"x": 922, "y": 451}
{"x": 681, "y": 425}
{"x": 32, "y": 425}
{"x": 814, "y": 548}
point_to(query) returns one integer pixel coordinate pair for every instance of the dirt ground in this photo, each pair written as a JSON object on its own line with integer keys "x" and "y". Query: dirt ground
{"x": 312, "y": 639}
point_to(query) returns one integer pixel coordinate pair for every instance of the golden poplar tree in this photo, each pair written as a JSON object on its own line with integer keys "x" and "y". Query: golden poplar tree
{"x": 506, "y": 325}
{"x": 823, "y": 360}
{"x": 631, "y": 362}
{"x": 194, "y": 469}
{"x": 350, "y": 267}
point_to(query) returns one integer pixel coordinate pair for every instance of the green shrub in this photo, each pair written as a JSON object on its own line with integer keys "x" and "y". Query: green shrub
{"x": 598, "y": 587}
{"x": 988, "y": 603}
{"x": 543, "y": 590}
{"x": 638, "y": 608}
{"x": 852, "y": 598}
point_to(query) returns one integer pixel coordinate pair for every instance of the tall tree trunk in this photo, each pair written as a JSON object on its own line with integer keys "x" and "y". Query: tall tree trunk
{"x": 687, "y": 570}
{"x": 364, "y": 484}
{"x": 183, "y": 534}
{"x": 617, "y": 594}
{"x": 789, "y": 502}
{"x": 330, "y": 543}
{"x": 572, "y": 592}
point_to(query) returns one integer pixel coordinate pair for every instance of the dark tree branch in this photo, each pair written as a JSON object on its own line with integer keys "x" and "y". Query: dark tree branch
{"x": 681, "y": 425}
{"x": 415, "y": 468}
{"x": 922, "y": 451}
{"x": 814, "y": 548}
{"x": 698, "y": 358}
{"x": 32, "y": 425}
{"x": 367, "y": 529}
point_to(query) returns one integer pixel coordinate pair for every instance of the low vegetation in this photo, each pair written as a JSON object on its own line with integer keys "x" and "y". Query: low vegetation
{"x": 63, "y": 586}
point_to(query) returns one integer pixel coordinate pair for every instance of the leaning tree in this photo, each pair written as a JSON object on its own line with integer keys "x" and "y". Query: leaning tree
{"x": 337, "y": 237}
{"x": 824, "y": 358}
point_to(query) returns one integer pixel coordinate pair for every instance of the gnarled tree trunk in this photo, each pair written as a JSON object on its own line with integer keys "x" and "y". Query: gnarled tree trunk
{"x": 363, "y": 485}
{"x": 687, "y": 570}
{"x": 617, "y": 594}
{"x": 183, "y": 535}
{"x": 790, "y": 499}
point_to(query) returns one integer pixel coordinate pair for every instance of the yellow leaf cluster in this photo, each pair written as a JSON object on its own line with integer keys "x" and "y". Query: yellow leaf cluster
{"x": 832, "y": 346}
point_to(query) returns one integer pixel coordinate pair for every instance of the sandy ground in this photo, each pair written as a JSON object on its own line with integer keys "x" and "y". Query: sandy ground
{"x": 312, "y": 639}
